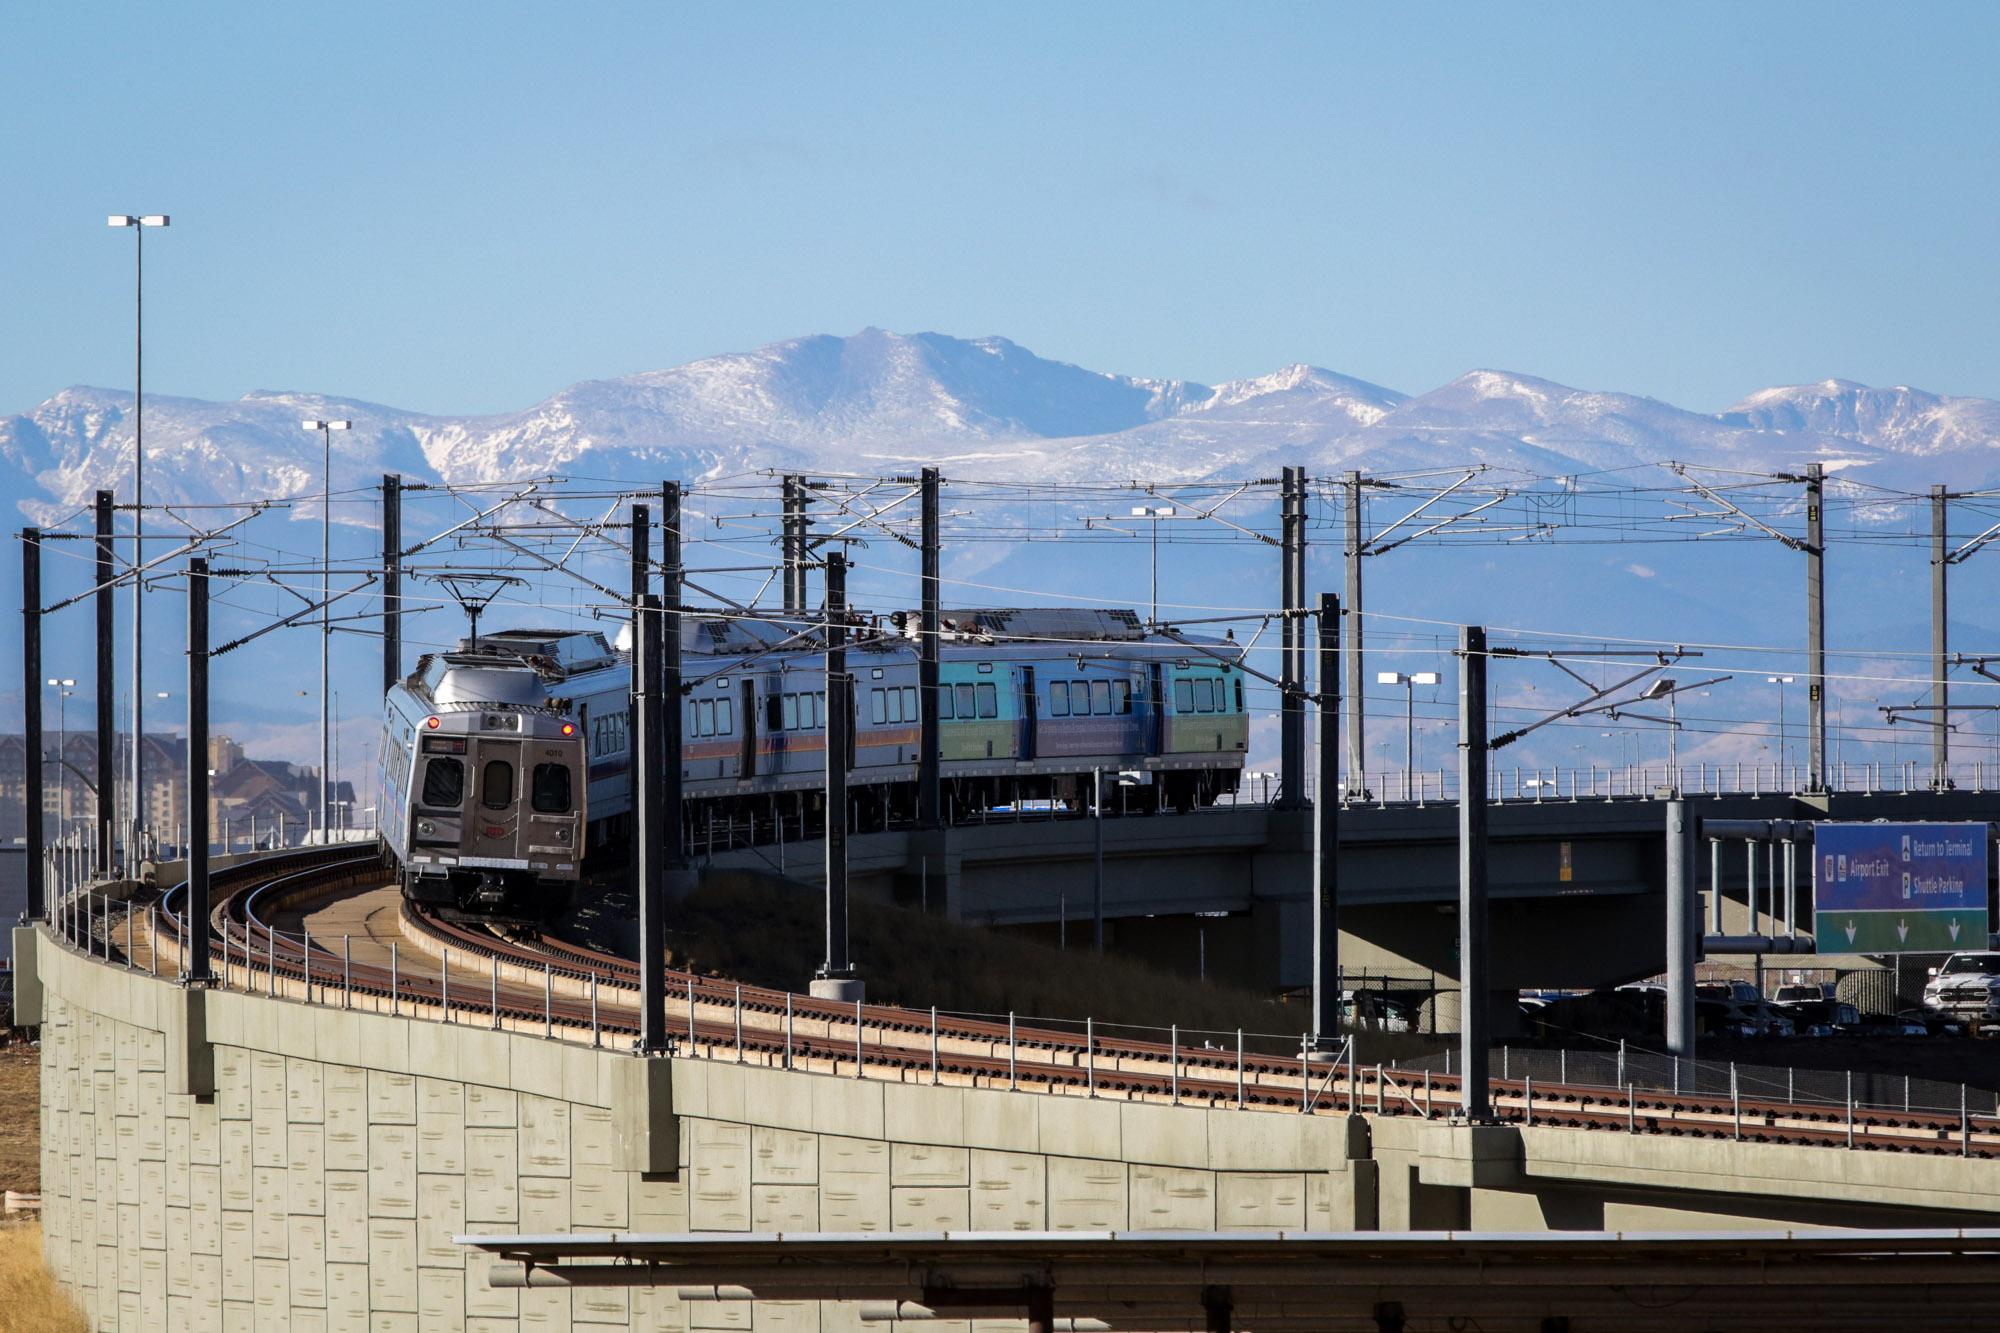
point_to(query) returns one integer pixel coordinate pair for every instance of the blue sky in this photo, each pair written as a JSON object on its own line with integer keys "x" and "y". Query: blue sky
{"x": 465, "y": 207}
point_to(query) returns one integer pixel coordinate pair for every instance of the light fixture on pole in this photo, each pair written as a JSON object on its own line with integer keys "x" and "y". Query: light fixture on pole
{"x": 1784, "y": 751}
{"x": 1665, "y": 688}
{"x": 1409, "y": 684}
{"x": 1155, "y": 513}
{"x": 325, "y": 429}
{"x": 138, "y": 222}
{"x": 63, "y": 686}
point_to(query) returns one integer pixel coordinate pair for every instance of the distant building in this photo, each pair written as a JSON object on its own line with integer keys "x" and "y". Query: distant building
{"x": 279, "y": 797}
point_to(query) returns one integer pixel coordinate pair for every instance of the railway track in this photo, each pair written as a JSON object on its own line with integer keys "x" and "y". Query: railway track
{"x": 472, "y": 976}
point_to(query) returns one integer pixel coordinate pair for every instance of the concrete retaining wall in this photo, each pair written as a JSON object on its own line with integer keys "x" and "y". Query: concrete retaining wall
{"x": 217, "y": 1160}
{"x": 318, "y": 1186}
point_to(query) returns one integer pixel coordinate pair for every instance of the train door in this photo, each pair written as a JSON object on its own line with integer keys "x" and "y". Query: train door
{"x": 1156, "y": 709}
{"x": 494, "y": 832}
{"x": 746, "y": 760}
{"x": 1024, "y": 696}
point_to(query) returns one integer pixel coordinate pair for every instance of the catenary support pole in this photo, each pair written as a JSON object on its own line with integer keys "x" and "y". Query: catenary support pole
{"x": 392, "y": 580}
{"x": 1815, "y": 553}
{"x": 929, "y": 804}
{"x": 648, "y": 835}
{"x": 1683, "y": 931}
{"x": 1097, "y": 859}
{"x": 672, "y": 713}
{"x": 31, "y": 703}
{"x": 1940, "y": 642}
{"x": 839, "y": 725}
{"x": 195, "y": 936}
{"x": 795, "y": 544}
{"x": 107, "y": 692}
{"x": 1474, "y": 1028}
{"x": 1292, "y": 593}
{"x": 1357, "y": 703}
{"x": 1326, "y": 835}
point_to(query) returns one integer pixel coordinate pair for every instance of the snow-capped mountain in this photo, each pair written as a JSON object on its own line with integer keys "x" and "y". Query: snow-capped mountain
{"x": 983, "y": 407}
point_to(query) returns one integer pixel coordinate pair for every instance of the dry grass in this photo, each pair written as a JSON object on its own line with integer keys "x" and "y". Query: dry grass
{"x": 30, "y": 1300}
{"x": 20, "y": 1119}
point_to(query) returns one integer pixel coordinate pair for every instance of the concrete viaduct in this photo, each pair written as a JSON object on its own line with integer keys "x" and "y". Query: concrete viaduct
{"x": 1577, "y": 886}
{"x": 227, "y": 1159}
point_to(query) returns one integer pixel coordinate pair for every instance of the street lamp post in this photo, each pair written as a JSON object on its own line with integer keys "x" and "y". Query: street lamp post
{"x": 326, "y": 430}
{"x": 1784, "y": 752}
{"x": 1409, "y": 684}
{"x": 1155, "y": 513}
{"x": 138, "y": 222}
{"x": 63, "y": 688}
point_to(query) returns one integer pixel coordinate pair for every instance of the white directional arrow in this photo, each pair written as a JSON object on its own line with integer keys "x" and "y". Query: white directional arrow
{"x": 1954, "y": 930}
{"x": 1850, "y": 932}
{"x": 1902, "y": 931}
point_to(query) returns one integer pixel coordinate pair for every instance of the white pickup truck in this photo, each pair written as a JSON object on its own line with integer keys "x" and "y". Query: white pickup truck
{"x": 1966, "y": 987}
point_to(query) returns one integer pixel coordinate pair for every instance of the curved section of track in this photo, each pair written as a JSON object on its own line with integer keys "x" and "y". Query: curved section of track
{"x": 563, "y": 990}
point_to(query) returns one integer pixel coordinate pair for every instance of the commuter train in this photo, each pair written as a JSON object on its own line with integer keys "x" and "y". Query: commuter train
{"x": 505, "y": 760}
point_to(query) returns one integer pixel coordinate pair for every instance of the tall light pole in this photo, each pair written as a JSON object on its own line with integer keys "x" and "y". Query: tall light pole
{"x": 326, "y": 430}
{"x": 1155, "y": 513}
{"x": 1784, "y": 754}
{"x": 1409, "y": 684}
{"x": 138, "y": 222}
{"x": 63, "y": 687}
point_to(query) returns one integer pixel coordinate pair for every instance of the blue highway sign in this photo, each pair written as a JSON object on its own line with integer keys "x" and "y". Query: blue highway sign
{"x": 1899, "y": 888}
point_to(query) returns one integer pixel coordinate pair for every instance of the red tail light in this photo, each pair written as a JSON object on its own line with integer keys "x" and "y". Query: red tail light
{"x": 430, "y": 724}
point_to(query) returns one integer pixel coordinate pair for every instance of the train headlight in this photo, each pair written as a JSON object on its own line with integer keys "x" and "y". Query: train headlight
{"x": 426, "y": 827}
{"x": 562, "y": 835}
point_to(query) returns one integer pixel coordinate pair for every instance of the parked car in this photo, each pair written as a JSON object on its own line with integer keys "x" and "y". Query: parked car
{"x": 1822, "y": 1018}
{"x": 1802, "y": 993}
{"x": 1889, "y": 1025}
{"x": 1771, "y": 1021}
{"x": 1372, "y": 1010}
{"x": 1720, "y": 1018}
{"x": 1967, "y": 986}
{"x": 1933, "y": 1024}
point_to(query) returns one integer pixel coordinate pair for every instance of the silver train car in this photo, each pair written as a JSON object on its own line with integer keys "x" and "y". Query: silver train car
{"x": 483, "y": 801}
{"x": 1030, "y": 702}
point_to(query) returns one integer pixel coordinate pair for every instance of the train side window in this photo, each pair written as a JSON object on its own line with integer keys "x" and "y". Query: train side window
{"x": 708, "y": 717}
{"x": 1058, "y": 698}
{"x": 944, "y": 703}
{"x": 444, "y": 783}
{"x": 966, "y": 708}
{"x": 910, "y": 704}
{"x": 1183, "y": 696}
{"x": 791, "y": 712}
{"x": 551, "y": 789}
{"x": 896, "y": 705}
{"x": 774, "y": 715}
{"x": 1204, "y": 696}
{"x": 1121, "y": 695}
{"x": 496, "y": 784}
{"x": 1100, "y": 697}
{"x": 819, "y": 708}
{"x": 1239, "y": 694}
{"x": 877, "y": 707}
{"x": 725, "y": 717}
{"x": 989, "y": 700}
